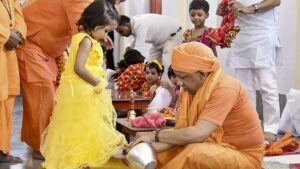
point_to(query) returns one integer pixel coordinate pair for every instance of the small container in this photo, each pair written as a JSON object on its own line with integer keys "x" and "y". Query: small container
{"x": 131, "y": 115}
{"x": 141, "y": 156}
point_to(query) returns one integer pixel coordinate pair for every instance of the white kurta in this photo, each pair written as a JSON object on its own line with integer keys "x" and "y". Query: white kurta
{"x": 152, "y": 28}
{"x": 162, "y": 98}
{"x": 156, "y": 30}
{"x": 257, "y": 45}
{"x": 290, "y": 119}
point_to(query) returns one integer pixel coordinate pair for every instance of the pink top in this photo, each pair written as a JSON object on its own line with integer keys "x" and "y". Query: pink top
{"x": 202, "y": 38}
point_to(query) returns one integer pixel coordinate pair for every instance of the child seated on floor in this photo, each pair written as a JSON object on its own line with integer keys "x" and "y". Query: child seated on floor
{"x": 152, "y": 88}
{"x": 173, "y": 88}
{"x": 134, "y": 76}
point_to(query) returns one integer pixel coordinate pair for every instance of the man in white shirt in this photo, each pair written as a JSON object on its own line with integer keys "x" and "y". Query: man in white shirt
{"x": 164, "y": 33}
{"x": 255, "y": 53}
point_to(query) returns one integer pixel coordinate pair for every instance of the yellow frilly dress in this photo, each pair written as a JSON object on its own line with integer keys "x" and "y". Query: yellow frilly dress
{"x": 82, "y": 128}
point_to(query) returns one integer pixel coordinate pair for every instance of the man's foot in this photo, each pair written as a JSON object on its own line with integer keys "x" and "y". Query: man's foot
{"x": 5, "y": 158}
{"x": 37, "y": 155}
{"x": 270, "y": 137}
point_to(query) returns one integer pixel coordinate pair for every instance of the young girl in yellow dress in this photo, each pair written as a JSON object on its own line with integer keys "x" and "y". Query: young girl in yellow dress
{"x": 81, "y": 133}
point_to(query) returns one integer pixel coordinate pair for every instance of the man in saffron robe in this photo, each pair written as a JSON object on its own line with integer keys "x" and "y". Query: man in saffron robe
{"x": 217, "y": 125}
{"x": 12, "y": 31}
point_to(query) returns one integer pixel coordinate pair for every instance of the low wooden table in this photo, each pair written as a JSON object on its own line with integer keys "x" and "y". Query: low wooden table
{"x": 128, "y": 130}
{"x": 121, "y": 102}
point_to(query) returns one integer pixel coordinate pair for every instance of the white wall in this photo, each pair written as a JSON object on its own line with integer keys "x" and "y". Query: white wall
{"x": 288, "y": 36}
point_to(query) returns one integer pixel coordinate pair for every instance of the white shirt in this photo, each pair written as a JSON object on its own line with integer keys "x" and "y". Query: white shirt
{"x": 162, "y": 98}
{"x": 110, "y": 79}
{"x": 257, "y": 45}
{"x": 152, "y": 28}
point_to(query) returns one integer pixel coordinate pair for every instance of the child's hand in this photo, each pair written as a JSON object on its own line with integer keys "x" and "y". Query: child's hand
{"x": 107, "y": 42}
{"x": 165, "y": 85}
{"x": 98, "y": 88}
{"x": 220, "y": 10}
{"x": 153, "y": 89}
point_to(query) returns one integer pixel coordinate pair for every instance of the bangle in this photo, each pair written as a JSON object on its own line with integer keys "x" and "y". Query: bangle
{"x": 157, "y": 135}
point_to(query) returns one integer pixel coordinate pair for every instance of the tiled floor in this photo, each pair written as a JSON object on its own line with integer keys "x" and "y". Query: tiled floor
{"x": 21, "y": 150}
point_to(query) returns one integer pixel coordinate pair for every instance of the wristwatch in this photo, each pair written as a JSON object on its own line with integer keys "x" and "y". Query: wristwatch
{"x": 255, "y": 6}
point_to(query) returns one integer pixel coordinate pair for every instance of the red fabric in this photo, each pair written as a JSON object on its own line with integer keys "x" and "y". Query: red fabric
{"x": 132, "y": 78}
{"x": 149, "y": 120}
{"x": 295, "y": 166}
{"x": 224, "y": 35}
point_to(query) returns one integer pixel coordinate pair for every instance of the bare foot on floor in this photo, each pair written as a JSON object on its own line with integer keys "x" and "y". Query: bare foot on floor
{"x": 5, "y": 158}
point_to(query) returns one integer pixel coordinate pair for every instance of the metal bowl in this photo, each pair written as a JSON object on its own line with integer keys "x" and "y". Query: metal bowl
{"x": 141, "y": 156}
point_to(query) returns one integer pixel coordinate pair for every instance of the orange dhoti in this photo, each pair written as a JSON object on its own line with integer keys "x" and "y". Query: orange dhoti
{"x": 9, "y": 74}
{"x": 9, "y": 88}
{"x": 38, "y": 75}
{"x": 6, "y": 110}
{"x": 210, "y": 156}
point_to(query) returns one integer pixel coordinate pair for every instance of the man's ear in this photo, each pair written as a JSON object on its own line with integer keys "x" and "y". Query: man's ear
{"x": 203, "y": 75}
{"x": 207, "y": 15}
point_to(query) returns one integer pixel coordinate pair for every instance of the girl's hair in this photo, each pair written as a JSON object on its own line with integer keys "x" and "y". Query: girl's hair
{"x": 199, "y": 4}
{"x": 122, "y": 65}
{"x": 171, "y": 72}
{"x": 133, "y": 56}
{"x": 156, "y": 65}
{"x": 112, "y": 1}
{"x": 98, "y": 13}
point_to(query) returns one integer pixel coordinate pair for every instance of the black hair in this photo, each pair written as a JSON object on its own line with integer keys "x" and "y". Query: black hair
{"x": 98, "y": 13}
{"x": 122, "y": 64}
{"x": 133, "y": 56}
{"x": 112, "y": 1}
{"x": 111, "y": 10}
{"x": 199, "y": 4}
{"x": 171, "y": 72}
{"x": 123, "y": 20}
{"x": 153, "y": 65}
